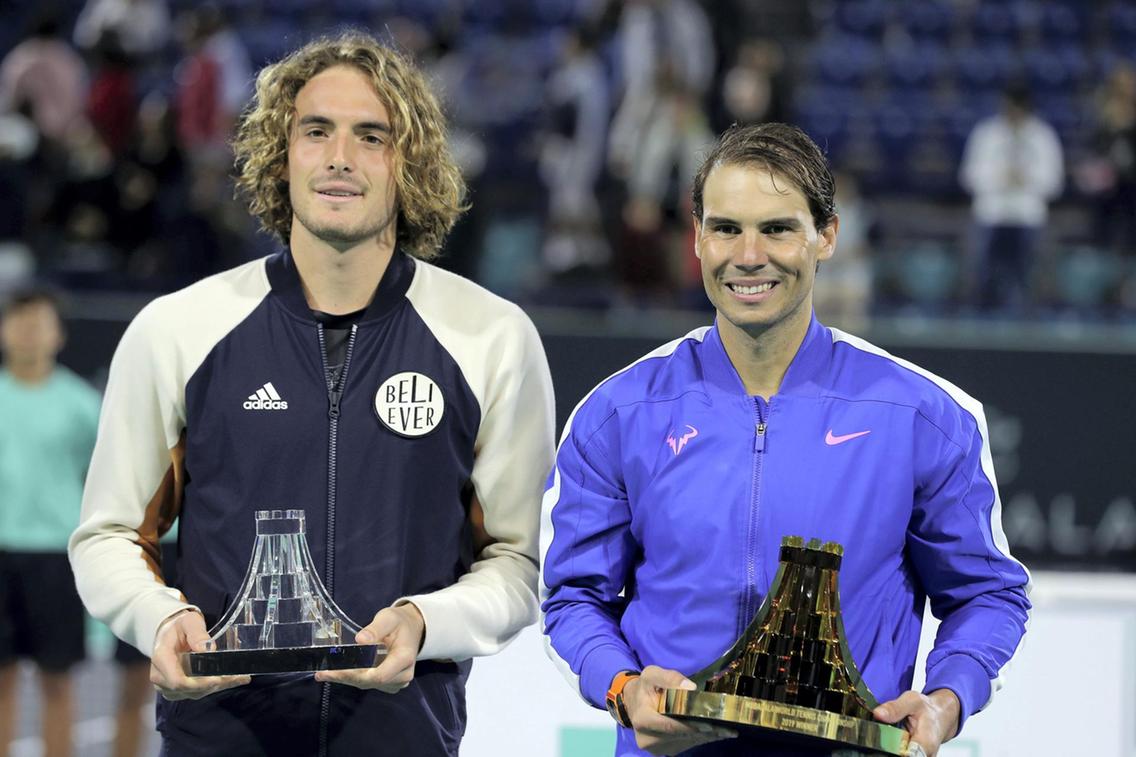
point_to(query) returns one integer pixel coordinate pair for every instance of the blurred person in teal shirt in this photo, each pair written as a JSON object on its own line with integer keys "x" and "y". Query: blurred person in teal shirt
{"x": 48, "y": 422}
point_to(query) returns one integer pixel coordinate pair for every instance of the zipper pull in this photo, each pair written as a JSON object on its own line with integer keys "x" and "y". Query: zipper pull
{"x": 333, "y": 409}
{"x": 759, "y": 439}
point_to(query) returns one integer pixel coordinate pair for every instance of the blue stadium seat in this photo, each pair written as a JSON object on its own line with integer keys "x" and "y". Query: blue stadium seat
{"x": 1085, "y": 277}
{"x": 429, "y": 12}
{"x": 960, "y": 117}
{"x": 1121, "y": 24}
{"x": 985, "y": 68}
{"x": 927, "y": 21}
{"x": 1061, "y": 23}
{"x": 488, "y": 12}
{"x": 1076, "y": 61}
{"x": 554, "y": 12}
{"x": 1062, "y": 112}
{"x": 995, "y": 22}
{"x": 928, "y": 274}
{"x": 1047, "y": 71}
{"x": 823, "y": 113}
{"x": 362, "y": 11}
{"x": 916, "y": 67}
{"x": 269, "y": 39}
{"x": 230, "y": 7}
{"x": 863, "y": 18}
{"x": 896, "y": 134}
{"x": 843, "y": 60}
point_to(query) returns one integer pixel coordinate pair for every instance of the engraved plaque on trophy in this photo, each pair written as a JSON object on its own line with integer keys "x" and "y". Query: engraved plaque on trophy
{"x": 283, "y": 619}
{"x": 791, "y": 676}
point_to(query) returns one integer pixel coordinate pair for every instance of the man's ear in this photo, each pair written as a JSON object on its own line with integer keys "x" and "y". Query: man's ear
{"x": 826, "y": 243}
{"x": 697, "y": 237}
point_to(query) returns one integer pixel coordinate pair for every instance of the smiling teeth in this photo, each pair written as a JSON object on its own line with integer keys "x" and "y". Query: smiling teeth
{"x": 752, "y": 289}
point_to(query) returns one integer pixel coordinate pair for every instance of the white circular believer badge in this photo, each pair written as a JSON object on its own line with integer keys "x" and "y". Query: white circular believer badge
{"x": 410, "y": 404}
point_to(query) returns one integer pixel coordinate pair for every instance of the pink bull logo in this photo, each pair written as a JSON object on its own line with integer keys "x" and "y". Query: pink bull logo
{"x": 676, "y": 445}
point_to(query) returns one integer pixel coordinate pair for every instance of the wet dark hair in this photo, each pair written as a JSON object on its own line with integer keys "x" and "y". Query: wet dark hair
{"x": 783, "y": 150}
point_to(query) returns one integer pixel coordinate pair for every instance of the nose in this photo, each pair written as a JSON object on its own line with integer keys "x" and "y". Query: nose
{"x": 340, "y": 158}
{"x": 752, "y": 254}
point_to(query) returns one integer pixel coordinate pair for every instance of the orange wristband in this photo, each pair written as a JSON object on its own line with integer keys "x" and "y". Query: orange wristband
{"x": 614, "y": 698}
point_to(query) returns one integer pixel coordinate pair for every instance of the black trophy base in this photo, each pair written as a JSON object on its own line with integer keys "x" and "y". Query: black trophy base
{"x": 240, "y": 662}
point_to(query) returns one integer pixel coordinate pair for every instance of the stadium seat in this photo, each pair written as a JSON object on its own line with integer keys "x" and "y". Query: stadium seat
{"x": 863, "y": 18}
{"x": 928, "y": 274}
{"x": 1061, "y": 23}
{"x": 994, "y": 22}
{"x": 984, "y": 68}
{"x": 1085, "y": 277}
{"x": 1047, "y": 70}
{"x": 927, "y": 21}
{"x": 1121, "y": 24}
{"x": 915, "y": 67}
{"x": 844, "y": 60}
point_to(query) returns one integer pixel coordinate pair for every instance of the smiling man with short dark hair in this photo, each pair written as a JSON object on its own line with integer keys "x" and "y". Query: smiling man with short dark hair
{"x": 677, "y": 478}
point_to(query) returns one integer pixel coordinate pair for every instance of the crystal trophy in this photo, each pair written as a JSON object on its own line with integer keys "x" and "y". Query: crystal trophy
{"x": 791, "y": 676}
{"x": 283, "y": 620}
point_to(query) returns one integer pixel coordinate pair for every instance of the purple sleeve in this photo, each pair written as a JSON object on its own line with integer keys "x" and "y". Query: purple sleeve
{"x": 976, "y": 588}
{"x": 587, "y": 557}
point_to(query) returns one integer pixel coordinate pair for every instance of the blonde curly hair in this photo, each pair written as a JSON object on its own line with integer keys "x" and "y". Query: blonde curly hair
{"x": 430, "y": 188}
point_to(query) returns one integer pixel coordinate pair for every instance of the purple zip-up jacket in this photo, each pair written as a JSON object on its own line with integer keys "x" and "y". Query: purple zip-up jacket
{"x": 673, "y": 489}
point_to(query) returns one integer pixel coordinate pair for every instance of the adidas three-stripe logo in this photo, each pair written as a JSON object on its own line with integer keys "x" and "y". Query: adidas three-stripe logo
{"x": 265, "y": 398}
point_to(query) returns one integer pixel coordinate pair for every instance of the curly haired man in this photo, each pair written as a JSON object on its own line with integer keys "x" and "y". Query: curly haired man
{"x": 406, "y": 410}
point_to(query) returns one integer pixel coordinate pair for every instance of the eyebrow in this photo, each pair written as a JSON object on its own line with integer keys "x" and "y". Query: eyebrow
{"x": 786, "y": 221}
{"x": 362, "y": 126}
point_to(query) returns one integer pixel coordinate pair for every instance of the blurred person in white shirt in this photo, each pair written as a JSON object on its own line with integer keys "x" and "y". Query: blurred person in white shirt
{"x": 142, "y": 26}
{"x": 1012, "y": 166}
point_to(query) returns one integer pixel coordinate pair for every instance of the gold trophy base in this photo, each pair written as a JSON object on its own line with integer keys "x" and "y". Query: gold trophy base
{"x": 802, "y": 725}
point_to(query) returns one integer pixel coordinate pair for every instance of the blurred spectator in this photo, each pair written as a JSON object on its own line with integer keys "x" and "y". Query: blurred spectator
{"x": 155, "y": 151}
{"x": 50, "y": 417}
{"x": 572, "y": 156}
{"x": 668, "y": 59}
{"x": 665, "y": 47}
{"x": 18, "y": 142}
{"x": 142, "y": 26}
{"x": 46, "y": 78}
{"x": 1012, "y": 166}
{"x": 1115, "y": 143}
{"x": 842, "y": 293}
{"x": 83, "y": 212}
{"x": 671, "y": 33}
{"x": 214, "y": 81}
{"x": 112, "y": 105}
{"x": 448, "y": 65}
{"x": 501, "y": 96}
{"x": 650, "y": 253}
{"x": 755, "y": 88}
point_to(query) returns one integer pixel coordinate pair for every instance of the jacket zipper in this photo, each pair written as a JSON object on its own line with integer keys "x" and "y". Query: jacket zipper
{"x": 334, "y": 395}
{"x": 760, "y": 428}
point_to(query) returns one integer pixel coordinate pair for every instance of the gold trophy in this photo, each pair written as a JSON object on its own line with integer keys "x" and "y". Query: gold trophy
{"x": 790, "y": 676}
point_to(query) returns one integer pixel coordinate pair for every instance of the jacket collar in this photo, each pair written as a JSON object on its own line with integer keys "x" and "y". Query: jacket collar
{"x": 287, "y": 288}
{"x": 803, "y": 378}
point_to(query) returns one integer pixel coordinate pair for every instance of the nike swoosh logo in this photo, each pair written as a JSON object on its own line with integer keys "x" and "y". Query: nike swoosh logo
{"x": 832, "y": 441}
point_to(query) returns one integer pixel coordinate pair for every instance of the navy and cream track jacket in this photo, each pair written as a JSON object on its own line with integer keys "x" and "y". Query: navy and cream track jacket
{"x": 673, "y": 489}
{"x": 218, "y": 405}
